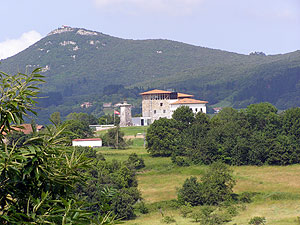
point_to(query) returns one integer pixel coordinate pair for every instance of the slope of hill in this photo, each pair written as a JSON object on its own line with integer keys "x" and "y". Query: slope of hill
{"x": 80, "y": 64}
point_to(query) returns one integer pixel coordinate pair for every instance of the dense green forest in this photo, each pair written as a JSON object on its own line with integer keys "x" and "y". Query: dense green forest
{"x": 81, "y": 65}
{"x": 257, "y": 135}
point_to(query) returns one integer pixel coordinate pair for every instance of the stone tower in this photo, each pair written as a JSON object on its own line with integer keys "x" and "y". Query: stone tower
{"x": 125, "y": 114}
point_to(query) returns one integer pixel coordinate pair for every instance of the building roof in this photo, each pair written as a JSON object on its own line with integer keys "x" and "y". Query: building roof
{"x": 188, "y": 101}
{"x": 88, "y": 139}
{"x": 155, "y": 91}
{"x": 26, "y": 128}
{"x": 182, "y": 95}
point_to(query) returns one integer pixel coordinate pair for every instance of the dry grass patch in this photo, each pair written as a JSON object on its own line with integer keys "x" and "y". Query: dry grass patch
{"x": 268, "y": 178}
{"x": 157, "y": 188}
{"x": 275, "y": 212}
{"x": 156, "y": 219}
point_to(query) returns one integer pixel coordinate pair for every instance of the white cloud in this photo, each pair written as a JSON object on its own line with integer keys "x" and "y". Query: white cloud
{"x": 169, "y": 6}
{"x": 11, "y": 47}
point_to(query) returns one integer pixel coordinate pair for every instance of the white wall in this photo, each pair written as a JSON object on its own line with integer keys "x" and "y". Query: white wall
{"x": 87, "y": 143}
{"x": 195, "y": 107}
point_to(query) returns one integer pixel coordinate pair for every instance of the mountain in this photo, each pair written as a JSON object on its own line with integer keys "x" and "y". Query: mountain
{"x": 83, "y": 65}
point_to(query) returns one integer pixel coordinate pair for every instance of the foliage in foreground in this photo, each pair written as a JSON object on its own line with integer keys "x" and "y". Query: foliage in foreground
{"x": 37, "y": 179}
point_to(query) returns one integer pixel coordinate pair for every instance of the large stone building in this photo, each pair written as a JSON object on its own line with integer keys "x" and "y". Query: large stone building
{"x": 161, "y": 104}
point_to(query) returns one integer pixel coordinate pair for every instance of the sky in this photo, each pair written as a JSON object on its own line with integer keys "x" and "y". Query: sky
{"x": 242, "y": 26}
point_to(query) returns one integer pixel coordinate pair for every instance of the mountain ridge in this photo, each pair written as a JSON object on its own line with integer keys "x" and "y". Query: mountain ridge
{"x": 79, "y": 64}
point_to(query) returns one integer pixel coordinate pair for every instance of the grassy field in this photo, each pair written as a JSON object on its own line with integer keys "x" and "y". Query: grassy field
{"x": 277, "y": 188}
{"x": 128, "y": 131}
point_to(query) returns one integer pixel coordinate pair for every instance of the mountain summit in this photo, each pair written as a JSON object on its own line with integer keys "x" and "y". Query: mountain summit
{"x": 80, "y": 64}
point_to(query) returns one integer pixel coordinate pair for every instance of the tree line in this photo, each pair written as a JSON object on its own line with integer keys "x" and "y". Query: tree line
{"x": 255, "y": 135}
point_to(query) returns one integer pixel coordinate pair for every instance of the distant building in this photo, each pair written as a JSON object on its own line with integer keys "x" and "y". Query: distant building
{"x": 107, "y": 105}
{"x": 88, "y": 142}
{"x": 217, "y": 109}
{"x": 86, "y": 105}
{"x": 125, "y": 114}
{"x": 161, "y": 104}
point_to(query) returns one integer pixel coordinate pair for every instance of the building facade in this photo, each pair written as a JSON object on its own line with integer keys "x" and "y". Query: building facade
{"x": 161, "y": 104}
{"x": 88, "y": 142}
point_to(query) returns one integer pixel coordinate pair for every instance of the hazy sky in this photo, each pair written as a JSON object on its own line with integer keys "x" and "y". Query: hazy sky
{"x": 243, "y": 26}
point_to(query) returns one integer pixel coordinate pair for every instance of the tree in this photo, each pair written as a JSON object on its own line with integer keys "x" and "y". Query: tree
{"x": 55, "y": 118}
{"x": 135, "y": 161}
{"x": 162, "y": 137}
{"x": 76, "y": 129}
{"x": 258, "y": 114}
{"x": 217, "y": 184}
{"x": 37, "y": 180}
{"x": 115, "y": 138}
{"x": 191, "y": 192}
{"x": 215, "y": 187}
{"x": 291, "y": 122}
{"x": 116, "y": 179}
{"x": 184, "y": 116}
{"x": 18, "y": 94}
{"x": 83, "y": 117}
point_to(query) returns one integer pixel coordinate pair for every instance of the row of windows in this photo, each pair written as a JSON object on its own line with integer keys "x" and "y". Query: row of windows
{"x": 164, "y": 111}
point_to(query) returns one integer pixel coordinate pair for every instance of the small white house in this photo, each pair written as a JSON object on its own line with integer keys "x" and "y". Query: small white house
{"x": 195, "y": 105}
{"x": 89, "y": 142}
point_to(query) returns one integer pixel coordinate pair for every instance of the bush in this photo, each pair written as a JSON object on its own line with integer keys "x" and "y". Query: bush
{"x": 179, "y": 161}
{"x": 185, "y": 210}
{"x": 207, "y": 215}
{"x": 168, "y": 219}
{"x": 246, "y": 197}
{"x": 217, "y": 184}
{"x": 257, "y": 220}
{"x": 191, "y": 192}
{"x": 135, "y": 161}
{"x": 216, "y": 187}
{"x": 141, "y": 207}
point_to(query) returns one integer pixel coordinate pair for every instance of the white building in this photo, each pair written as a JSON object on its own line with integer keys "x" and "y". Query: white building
{"x": 88, "y": 142}
{"x": 195, "y": 105}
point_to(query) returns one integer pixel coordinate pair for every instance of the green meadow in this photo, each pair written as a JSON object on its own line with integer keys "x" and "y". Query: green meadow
{"x": 276, "y": 188}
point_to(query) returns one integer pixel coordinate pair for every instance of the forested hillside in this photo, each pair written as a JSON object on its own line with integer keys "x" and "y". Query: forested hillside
{"x": 82, "y": 65}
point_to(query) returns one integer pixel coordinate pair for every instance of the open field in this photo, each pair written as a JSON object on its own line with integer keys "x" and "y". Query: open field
{"x": 277, "y": 188}
{"x": 128, "y": 131}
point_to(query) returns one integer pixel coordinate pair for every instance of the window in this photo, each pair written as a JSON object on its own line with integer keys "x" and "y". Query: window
{"x": 154, "y": 111}
{"x": 196, "y": 109}
{"x": 201, "y": 110}
{"x": 161, "y": 104}
{"x": 164, "y": 111}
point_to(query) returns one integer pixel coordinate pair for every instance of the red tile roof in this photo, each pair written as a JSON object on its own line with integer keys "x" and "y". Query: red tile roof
{"x": 26, "y": 128}
{"x": 155, "y": 91}
{"x": 188, "y": 101}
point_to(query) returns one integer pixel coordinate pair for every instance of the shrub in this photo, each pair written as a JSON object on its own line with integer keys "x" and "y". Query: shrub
{"x": 185, "y": 210}
{"x": 217, "y": 184}
{"x": 216, "y": 187}
{"x": 191, "y": 192}
{"x": 257, "y": 220}
{"x": 179, "y": 161}
{"x": 141, "y": 207}
{"x": 168, "y": 219}
{"x": 135, "y": 161}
